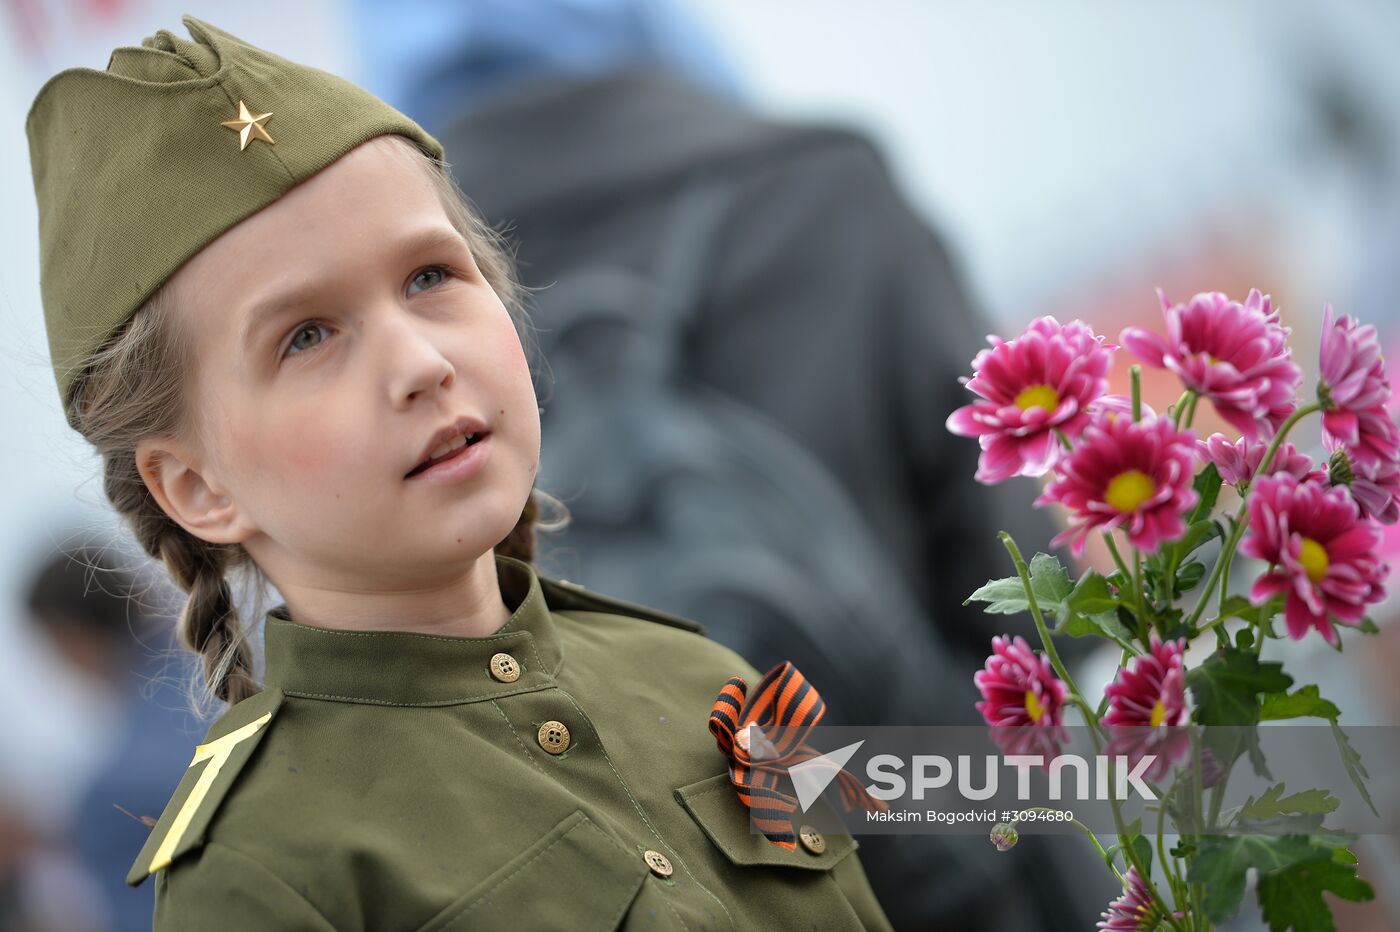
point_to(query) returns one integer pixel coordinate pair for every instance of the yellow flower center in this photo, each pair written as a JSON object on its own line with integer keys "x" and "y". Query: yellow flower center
{"x": 1159, "y": 713}
{"x": 1313, "y": 556}
{"x": 1038, "y": 396}
{"x": 1127, "y": 490}
{"x": 1033, "y": 706}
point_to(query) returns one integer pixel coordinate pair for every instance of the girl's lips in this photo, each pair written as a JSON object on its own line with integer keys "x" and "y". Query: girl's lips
{"x": 458, "y": 465}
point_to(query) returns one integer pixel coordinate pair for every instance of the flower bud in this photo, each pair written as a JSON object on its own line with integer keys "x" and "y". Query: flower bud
{"x": 1004, "y": 836}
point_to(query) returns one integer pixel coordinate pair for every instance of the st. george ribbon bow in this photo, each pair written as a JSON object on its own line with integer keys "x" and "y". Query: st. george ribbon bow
{"x": 784, "y": 707}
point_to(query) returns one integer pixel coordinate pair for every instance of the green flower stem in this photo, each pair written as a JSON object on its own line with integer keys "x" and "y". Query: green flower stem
{"x": 1094, "y": 839}
{"x": 1221, "y": 638}
{"x": 1103, "y": 703}
{"x": 1078, "y": 699}
{"x": 1179, "y": 408}
{"x": 1217, "y": 794}
{"x": 1090, "y": 718}
{"x": 1130, "y": 854}
{"x": 1143, "y": 625}
{"x": 1117, "y": 557}
{"x": 1224, "y": 587}
{"x": 1054, "y": 655}
{"x": 1196, "y": 781}
{"x": 1227, "y": 552}
{"x": 1191, "y": 409}
{"x": 1169, "y": 868}
{"x": 1135, "y": 377}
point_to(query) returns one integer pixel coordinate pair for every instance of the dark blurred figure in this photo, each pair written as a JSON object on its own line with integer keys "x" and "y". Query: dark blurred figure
{"x": 820, "y": 302}
{"x": 96, "y": 613}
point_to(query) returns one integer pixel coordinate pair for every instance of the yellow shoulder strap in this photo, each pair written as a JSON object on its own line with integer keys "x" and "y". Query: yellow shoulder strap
{"x": 215, "y": 766}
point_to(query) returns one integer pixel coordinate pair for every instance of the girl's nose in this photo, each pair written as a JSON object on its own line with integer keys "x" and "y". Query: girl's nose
{"x": 414, "y": 363}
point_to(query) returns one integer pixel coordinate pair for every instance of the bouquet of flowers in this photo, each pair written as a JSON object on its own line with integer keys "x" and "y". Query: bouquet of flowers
{"x": 1145, "y": 484}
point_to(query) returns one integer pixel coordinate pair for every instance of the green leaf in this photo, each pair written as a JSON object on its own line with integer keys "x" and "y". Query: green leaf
{"x": 1227, "y": 685}
{"x": 1274, "y": 803}
{"x": 1006, "y": 596}
{"x": 1226, "y": 688}
{"x": 1292, "y": 898}
{"x": 1173, "y": 625}
{"x": 1091, "y": 595}
{"x": 1351, "y": 760}
{"x": 1367, "y": 626}
{"x": 1207, "y": 485}
{"x": 1222, "y": 861}
{"x": 1141, "y": 846}
{"x": 1304, "y": 702}
{"x": 1049, "y": 581}
{"x": 1104, "y": 625}
{"x": 1143, "y": 849}
{"x": 1189, "y": 576}
{"x": 1197, "y": 535}
{"x": 1276, "y": 814}
{"x": 1236, "y": 606}
{"x": 1092, "y": 608}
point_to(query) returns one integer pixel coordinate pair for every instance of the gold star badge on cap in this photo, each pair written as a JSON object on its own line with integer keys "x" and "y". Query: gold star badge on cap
{"x": 249, "y": 127}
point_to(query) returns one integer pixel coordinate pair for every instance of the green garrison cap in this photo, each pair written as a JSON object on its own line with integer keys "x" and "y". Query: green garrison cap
{"x": 138, "y": 167}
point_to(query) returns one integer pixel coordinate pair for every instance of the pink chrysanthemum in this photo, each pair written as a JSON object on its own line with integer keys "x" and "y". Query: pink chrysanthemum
{"x": 1135, "y": 910}
{"x": 1235, "y": 354}
{"x": 1147, "y": 703}
{"x": 1019, "y": 687}
{"x": 1151, "y": 690}
{"x": 1032, "y": 387}
{"x": 1239, "y": 460}
{"x": 1124, "y": 474}
{"x": 1321, "y": 553}
{"x": 1354, "y": 391}
{"x": 1374, "y": 486}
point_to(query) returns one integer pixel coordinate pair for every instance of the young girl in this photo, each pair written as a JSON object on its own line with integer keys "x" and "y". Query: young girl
{"x": 296, "y": 349}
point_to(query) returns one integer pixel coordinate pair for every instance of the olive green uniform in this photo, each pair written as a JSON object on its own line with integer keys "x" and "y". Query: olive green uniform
{"x": 559, "y": 774}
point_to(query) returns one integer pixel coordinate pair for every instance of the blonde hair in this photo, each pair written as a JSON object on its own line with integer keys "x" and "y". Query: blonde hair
{"x": 136, "y": 386}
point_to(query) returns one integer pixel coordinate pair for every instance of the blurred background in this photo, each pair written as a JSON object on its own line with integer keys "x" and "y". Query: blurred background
{"x": 1070, "y": 158}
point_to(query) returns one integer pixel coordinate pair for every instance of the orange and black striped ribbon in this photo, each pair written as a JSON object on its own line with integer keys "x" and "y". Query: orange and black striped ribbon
{"x": 784, "y": 706}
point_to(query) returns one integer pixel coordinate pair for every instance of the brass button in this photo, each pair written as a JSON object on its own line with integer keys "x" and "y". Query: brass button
{"x": 660, "y": 864}
{"x": 505, "y": 668}
{"x": 554, "y": 737}
{"x": 811, "y": 839}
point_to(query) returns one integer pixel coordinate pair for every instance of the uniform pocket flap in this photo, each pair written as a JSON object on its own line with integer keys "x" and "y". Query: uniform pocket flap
{"x": 575, "y": 877}
{"x": 715, "y": 805}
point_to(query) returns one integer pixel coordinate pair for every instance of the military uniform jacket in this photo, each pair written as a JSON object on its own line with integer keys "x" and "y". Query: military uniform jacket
{"x": 524, "y": 780}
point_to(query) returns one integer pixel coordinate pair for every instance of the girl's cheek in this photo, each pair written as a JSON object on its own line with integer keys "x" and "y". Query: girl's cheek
{"x": 298, "y": 447}
{"x": 306, "y": 459}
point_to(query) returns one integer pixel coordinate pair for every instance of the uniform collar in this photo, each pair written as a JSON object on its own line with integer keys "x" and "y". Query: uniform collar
{"x": 403, "y": 668}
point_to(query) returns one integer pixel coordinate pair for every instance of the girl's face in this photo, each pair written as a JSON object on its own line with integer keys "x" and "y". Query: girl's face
{"x": 335, "y": 332}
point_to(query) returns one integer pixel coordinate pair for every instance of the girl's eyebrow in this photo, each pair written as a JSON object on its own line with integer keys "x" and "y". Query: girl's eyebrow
{"x": 266, "y": 309}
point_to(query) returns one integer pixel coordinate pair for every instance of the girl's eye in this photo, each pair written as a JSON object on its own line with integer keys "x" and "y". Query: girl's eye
{"x": 428, "y": 273}
{"x": 297, "y": 344}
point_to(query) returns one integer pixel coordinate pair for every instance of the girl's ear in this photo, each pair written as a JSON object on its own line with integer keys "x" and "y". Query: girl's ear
{"x": 198, "y": 504}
